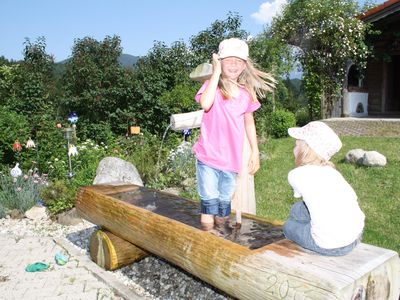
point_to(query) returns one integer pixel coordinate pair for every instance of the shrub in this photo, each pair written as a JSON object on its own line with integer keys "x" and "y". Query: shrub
{"x": 100, "y": 133}
{"x": 280, "y": 121}
{"x": 302, "y": 116}
{"x": 20, "y": 193}
{"x": 143, "y": 151}
{"x": 13, "y": 126}
{"x": 58, "y": 197}
{"x": 182, "y": 161}
{"x": 3, "y": 211}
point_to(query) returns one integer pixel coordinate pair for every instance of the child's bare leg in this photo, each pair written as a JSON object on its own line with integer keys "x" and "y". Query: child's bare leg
{"x": 207, "y": 222}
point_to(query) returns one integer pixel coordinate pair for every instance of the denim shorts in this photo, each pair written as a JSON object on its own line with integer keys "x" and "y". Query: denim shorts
{"x": 215, "y": 188}
{"x": 298, "y": 229}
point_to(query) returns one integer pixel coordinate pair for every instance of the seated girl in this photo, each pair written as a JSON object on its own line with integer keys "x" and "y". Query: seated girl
{"x": 329, "y": 220}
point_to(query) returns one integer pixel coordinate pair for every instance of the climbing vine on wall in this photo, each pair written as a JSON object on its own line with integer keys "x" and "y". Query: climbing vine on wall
{"x": 327, "y": 35}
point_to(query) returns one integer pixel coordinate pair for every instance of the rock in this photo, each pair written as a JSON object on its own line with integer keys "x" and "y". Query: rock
{"x": 189, "y": 182}
{"x": 373, "y": 159}
{"x": 15, "y": 214}
{"x": 263, "y": 156}
{"x": 172, "y": 190}
{"x": 116, "y": 171}
{"x": 69, "y": 218}
{"x": 354, "y": 156}
{"x": 37, "y": 213}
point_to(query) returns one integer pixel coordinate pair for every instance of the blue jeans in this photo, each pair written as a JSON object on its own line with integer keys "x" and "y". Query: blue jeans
{"x": 298, "y": 229}
{"x": 215, "y": 188}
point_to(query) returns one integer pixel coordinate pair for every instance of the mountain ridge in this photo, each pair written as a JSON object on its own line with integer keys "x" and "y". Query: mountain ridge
{"x": 126, "y": 60}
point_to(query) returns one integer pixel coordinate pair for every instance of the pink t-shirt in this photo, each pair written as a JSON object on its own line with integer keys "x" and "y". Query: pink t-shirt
{"x": 221, "y": 139}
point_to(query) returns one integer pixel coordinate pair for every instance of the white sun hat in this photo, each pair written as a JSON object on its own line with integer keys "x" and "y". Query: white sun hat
{"x": 319, "y": 137}
{"x": 233, "y": 47}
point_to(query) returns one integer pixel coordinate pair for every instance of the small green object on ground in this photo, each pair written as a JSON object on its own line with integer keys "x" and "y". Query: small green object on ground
{"x": 37, "y": 267}
{"x": 61, "y": 259}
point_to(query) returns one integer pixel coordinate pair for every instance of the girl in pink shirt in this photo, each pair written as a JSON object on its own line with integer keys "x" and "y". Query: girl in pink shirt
{"x": 228, "y": 98}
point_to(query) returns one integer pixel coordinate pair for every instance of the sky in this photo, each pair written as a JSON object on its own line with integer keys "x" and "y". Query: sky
{"x": 138, "y": 23}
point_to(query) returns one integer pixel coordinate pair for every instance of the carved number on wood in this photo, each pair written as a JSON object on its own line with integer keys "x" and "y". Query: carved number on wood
{"x": 274, "y": 281}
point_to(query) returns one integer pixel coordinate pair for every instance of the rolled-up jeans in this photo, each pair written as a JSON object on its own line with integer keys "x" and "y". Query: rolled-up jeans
{"x": 298, "y": 229}
{"x": 215, "y": 188}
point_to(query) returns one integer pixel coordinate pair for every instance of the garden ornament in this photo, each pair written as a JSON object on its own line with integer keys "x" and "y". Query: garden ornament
{"x": 73, "y": 117}
{"x": 30, "y": 143}
{"x": 16, "y": 171}
{"x": 186, "y": 133}
{"x": 61, "y": 259}
{"x": 37, "y": 267}
{"x": 72, "y": 151}
{"x": 17, "y": 146}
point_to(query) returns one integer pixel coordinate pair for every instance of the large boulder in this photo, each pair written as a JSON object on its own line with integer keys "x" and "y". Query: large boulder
{"x": 365, "y": 158}
{"x": 116, "y": 171}
{"x": 354, "y": 156}
{"x": 373, "y": 159}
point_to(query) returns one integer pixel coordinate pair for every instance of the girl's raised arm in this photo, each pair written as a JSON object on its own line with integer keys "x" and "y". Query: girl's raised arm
{"x": 208, "y": 96}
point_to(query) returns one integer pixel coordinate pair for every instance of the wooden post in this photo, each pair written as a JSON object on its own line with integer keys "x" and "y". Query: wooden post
{"x": 111, "y": 252}
{"x": 244, "y": 198}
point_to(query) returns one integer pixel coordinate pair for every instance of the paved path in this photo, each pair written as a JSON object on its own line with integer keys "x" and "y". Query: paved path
{"x": 365, "y": 126}
{"x": 80, "y": 278}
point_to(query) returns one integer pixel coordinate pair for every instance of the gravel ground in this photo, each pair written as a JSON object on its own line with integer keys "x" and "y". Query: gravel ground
{"x": 152, "y": 277}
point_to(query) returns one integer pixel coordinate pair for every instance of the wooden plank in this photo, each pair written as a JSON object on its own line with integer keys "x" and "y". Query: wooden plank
{"x": 281, "y": 270}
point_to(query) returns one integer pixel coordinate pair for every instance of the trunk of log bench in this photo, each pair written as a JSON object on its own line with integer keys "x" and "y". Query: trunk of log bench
{"x": 111, "y": 252}
{"x": 281, "y": 270}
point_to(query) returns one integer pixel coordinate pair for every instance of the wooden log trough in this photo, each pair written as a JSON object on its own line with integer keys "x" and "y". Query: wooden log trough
{"x": 255, "y": 262}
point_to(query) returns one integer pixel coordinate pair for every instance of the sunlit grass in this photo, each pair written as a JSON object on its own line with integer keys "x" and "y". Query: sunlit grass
{"x": 378, "y": 189}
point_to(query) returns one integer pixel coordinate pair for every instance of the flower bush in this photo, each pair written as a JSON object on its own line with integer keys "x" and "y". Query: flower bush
{"x": 182, "y": 160}
{"x": 20, "y": 193}
{"x": 183, "y": 167}
{"x": 327, "y": 37}
{"x": 58, "y": 197}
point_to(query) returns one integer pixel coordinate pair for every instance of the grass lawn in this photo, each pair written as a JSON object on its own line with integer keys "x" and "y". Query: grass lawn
{"x": 378, "y": 189}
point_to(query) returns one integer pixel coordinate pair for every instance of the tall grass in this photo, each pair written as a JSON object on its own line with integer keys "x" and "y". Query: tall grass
{"x": 378, "y": 189}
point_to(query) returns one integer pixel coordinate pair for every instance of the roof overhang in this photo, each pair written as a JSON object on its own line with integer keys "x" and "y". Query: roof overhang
{"x": 381, "y": 11}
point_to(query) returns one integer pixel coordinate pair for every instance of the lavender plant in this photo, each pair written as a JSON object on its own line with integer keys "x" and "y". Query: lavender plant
{"x": 20, "y": 193}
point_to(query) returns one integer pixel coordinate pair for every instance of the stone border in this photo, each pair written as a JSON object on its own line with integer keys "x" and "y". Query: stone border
{"x": 119, "y": 288}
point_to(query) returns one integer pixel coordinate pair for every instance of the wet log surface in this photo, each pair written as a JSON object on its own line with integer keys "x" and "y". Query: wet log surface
{"x": 254, "y": 233}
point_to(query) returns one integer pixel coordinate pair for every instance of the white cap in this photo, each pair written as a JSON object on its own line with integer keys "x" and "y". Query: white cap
{"x": 319, "y": 137}
{"x": 233, "y": 47}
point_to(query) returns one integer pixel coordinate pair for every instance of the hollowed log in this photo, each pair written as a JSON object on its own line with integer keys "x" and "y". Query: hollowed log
{"x": 111, "y": 252}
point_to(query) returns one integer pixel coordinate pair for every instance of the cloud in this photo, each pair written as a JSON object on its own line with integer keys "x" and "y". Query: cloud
{"x": 268, "y": 10}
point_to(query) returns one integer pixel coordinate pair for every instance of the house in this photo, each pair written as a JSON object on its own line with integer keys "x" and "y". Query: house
{"x": 380, "y": 89}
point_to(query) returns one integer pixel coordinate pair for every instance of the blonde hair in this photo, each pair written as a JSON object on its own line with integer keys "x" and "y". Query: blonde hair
{"x": 256, "y": 82}
{"x": 307, "y": 156}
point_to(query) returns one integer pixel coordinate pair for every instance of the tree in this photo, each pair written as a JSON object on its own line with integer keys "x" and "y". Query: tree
{"x": 270, "y": 54}
{"x": 328, "y": 37}
{"x": 157, "y": 73}
{"x": 205, "y": 43}
{"x": 162, "y": 85}
{"x": 28, "y": 85}
{"x": 95, "y": 84}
